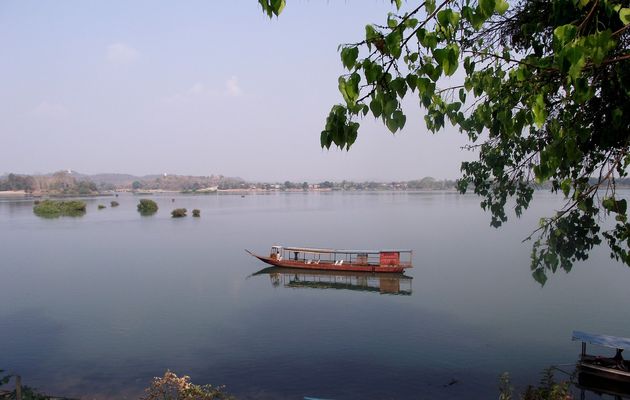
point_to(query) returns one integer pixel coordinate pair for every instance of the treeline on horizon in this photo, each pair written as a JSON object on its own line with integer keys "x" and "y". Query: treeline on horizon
{"x": 72, "y": 183}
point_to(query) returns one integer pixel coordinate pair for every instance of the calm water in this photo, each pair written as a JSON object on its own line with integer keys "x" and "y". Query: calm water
{"x": 96, "y": 306}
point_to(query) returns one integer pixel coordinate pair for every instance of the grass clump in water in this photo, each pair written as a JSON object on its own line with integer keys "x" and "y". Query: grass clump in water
{"x": 196, "y": 213}
{"x": 114, "y": 204}
{"x": 147, "y": 207}
{"x": 58, "y": 208}
{"x": 101, "y": 206}
{"x": 179, "y": 212}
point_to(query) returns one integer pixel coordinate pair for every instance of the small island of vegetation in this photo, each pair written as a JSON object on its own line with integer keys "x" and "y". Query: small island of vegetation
{"x": 147, "y": 207}
{"x": 179, "y": 212}
{"x": 196, "y": 213}
{"x": 58, "y": 208}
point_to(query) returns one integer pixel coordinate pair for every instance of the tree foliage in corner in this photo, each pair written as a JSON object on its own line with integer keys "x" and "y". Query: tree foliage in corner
{"x": 542, "y": 93}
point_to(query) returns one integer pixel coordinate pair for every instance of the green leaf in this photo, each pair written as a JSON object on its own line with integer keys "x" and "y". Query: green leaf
{"x": 427, "y": 39}
{"x": 540, "y": 276}
{"x": 390, "y": 106}
{"x": 566, "y": 187}
{"x": 392, "y": 125}
{"x": 565, "y": 33}
{"x": 432, "y": 71}
{"x": 447, "y": 58}
{"x": 486, "y": 7}
{"x": 400, "y": 86}
{"x": 501, "y": 6}
{"x": 325, "y": 140}
{"x": 391, "y": 21}
{"x": 462, "y": 95}
{"x": 574, "y": 56}
{"x": 539, "y": 109}
{"x": 624, "y": 16}
{"x": 393, "y": 43}
{"x": 349, "y": 89}
{"x": 400, "y": 118}
{"x": 349, "y": 56}
{"x": 621, "y": 206}
{"x": 351, "y": 131}
{"x": 371, "y": 70}
{"x": 272, "y": 7}
{"x": 608, "y": 203}
{"x": 371, "y": 35}
{"x": 430, "y": 6}
{"x": 376, "y": 107}
{"x": 600, "y": 44}
{"x": 411, "y": 23}
{"x": 448, "y": 17}
{"x": 616, "y": 206}
{"x": 411, "y": 81}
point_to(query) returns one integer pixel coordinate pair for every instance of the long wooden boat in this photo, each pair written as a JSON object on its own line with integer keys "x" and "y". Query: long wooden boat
{"x": 603, "y": 367}
{"x": 389, "y": 261}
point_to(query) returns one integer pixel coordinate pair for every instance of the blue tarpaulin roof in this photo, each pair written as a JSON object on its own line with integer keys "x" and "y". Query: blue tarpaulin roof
{"x": 602, "y": 340}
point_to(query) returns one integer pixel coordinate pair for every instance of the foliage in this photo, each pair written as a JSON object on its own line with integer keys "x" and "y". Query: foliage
{"x": 101, "y": 206}
{"x": 147, "y": 207}
{"x": 547, "y": 389}
{"x": 58, "y": 208}
{"x": 114, "y": 203}
{"x": 27, "y": 392}
{"x": 541, "y": 88}
{"x": 172, "y": 387}
{"x": 17, "y": 182}
{"x": 196, "y": 213}
{"x": 4, "y": 379}
{"x": 135, "y": 185}
{"x": 179, "y": 212}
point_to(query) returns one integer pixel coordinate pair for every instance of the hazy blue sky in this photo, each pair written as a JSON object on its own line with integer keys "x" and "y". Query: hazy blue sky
{"x": 194, "y": 87}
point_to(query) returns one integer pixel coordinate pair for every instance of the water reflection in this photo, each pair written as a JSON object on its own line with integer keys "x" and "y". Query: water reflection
{"x": 394, "y": 284}
{"x": 593, "y": 385}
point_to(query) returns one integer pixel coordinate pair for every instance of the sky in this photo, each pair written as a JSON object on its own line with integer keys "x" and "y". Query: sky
{"x": 196, "y": 88}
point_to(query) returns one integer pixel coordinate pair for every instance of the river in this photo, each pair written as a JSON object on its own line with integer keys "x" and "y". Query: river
{"x": 95, "y": 306}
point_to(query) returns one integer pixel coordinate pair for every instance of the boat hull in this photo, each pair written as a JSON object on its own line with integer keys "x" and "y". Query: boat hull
{"x": 328, "y": 266}
{"x": 595, "y": 367}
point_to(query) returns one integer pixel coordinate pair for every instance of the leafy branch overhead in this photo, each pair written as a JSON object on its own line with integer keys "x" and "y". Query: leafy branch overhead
{"x": 541, "y": 88}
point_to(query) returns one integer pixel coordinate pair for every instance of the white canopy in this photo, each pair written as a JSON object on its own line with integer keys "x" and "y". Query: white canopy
{"x": 602, "y": 340}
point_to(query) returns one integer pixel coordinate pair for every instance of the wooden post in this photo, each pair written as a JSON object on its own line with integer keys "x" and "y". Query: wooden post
{"x": 18, "y": 387}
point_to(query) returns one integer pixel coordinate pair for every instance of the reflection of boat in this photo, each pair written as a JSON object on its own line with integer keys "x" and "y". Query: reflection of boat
{"x": 607, "y": 368}
{"x": 338, "y": 260}
{"x": 346, "y": 280}
{"x": 602, "y": 386}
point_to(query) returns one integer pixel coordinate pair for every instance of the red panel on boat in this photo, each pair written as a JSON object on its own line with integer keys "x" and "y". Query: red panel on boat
{"x": 390, "y": 258}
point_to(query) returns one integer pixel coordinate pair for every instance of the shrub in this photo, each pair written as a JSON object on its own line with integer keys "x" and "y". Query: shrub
{"x": 101, "y": 206}
{"x": 172, "y": 387}
{"x": 196, "y": 213}
{"x": 147, "y": 207}
{"x": 114, "y": 204}
{"x": 57, "y": 208}
{"x": 179, "y": 212}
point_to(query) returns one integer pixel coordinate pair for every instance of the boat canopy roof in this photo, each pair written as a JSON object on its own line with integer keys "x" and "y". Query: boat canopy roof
{"x": 330, "y": 251}
{"x": 602, "y": 340}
